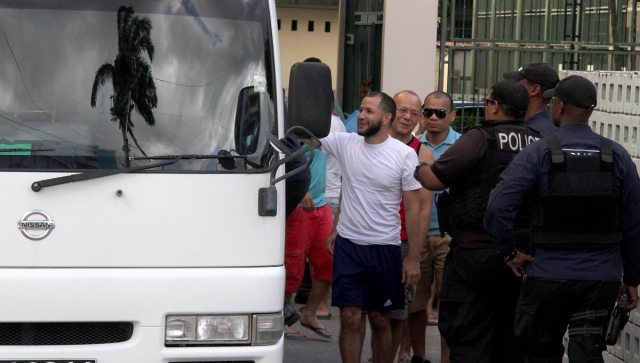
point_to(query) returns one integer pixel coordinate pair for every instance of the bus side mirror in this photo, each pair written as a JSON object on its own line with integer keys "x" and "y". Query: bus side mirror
{"x": 310, "y": 98}
{"x": 247, "y": 124}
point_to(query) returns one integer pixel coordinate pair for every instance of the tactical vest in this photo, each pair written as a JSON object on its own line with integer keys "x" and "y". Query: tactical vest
{"x": 469, "y": 198}
{"x": 582, "y": 211}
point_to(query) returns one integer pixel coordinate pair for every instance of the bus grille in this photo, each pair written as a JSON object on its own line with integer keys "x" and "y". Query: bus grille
{"x": 64, "y": 333}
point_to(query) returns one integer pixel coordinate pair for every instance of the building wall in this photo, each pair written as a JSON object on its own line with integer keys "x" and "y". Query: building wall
{"x": 409, "y": 46}
{"x": 297, "y": 45}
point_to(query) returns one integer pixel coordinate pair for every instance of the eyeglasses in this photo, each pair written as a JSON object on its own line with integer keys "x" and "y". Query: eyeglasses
{"x": 488, "y": 101}
{"x": 404, "y": 111}
{"x": 428, "y": 112}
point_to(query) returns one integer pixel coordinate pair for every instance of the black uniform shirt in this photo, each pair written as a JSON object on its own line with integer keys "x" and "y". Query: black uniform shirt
{"x": 530, "y": 171}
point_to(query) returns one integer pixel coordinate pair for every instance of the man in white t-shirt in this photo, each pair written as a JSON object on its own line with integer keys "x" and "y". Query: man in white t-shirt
{"x": 368, "y": 271}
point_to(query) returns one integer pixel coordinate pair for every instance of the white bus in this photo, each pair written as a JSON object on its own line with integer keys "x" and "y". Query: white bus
{"x": 142, "y": 219}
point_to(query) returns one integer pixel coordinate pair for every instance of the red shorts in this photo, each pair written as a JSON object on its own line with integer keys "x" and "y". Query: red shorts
{"x": 305, "y": 236}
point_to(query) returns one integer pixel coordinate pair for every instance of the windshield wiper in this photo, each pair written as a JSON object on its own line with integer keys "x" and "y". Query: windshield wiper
{"x": 185, "y": 156}
{"x": 171, "y": 159}
{"x": 39, "y": 185}
{"x": 225, "y": 158}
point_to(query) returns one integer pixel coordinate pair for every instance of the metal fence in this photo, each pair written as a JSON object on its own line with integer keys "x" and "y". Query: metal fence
{"x": 482, "y": 39}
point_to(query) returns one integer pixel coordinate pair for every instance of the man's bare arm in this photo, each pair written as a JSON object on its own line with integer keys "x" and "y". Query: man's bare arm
{"x": 411, "y": 263}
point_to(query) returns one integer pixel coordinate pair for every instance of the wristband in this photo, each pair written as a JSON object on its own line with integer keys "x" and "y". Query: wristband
{"x": 415, "y": 173}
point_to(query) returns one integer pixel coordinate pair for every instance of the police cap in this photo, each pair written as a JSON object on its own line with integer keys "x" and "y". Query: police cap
{"x": 512, "y": 95}
{"x": 539, "y": 73}
{"x": 575, "y": 90}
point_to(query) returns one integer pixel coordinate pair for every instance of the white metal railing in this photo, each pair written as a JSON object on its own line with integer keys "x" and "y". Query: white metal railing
{"x": 617, "y": 115}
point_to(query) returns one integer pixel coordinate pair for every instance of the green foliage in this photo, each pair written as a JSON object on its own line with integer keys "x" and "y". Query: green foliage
{"x": 471, "y": 119}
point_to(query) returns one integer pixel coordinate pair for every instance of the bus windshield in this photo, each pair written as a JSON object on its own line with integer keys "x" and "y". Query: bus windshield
{"x": 101, "y": 84}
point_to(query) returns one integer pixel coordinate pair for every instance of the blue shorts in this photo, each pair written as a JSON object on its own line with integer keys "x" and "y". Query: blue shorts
{"x": 368, "y": 277}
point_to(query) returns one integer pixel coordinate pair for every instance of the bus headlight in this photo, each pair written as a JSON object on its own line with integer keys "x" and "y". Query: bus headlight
{"x": 223, "y": 328}
{"x": 202, "y": 330}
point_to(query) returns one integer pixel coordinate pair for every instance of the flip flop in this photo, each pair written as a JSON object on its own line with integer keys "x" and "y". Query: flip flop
{"x": 432, "y": 321}
{"x": 320, "y": 330}
{"x": 294, "y": 335}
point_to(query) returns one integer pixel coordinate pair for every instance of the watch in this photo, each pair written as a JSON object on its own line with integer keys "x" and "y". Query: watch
{"x": 510, "y": 256}
{"x": 415, "y": 173}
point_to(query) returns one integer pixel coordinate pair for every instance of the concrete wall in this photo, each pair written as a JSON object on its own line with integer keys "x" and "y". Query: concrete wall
{"x": 409, "y": 46}
{"x": 296, "y": 46}
{"x": 617, "y": 115}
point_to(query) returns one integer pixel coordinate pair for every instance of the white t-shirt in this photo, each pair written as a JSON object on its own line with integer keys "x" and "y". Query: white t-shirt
{"x": 373, "y": 179}
{"x": 334, "y": 174}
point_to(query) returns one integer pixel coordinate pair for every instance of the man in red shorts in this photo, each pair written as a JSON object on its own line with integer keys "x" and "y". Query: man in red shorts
{"x": 308, "y": 226}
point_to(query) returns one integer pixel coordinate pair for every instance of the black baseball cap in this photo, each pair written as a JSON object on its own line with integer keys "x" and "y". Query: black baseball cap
{"x": 575, "y": 90}
{"x": 540, "y": 73}
{"x": 512, "y": 94}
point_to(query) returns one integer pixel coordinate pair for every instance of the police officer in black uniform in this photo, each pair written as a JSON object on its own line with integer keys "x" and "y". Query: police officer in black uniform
{"x": 585, "y": 230}
{"x": 478, "y": 293}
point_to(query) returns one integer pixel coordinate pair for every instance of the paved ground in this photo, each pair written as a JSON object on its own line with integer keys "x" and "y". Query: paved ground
{"x": 315, "y": 349}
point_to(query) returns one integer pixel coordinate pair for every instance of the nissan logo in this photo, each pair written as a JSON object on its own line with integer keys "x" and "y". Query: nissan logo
{"x": 36, "y": 225}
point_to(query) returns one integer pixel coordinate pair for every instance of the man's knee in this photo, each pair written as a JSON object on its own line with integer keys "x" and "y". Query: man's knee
{"x": 379, "y": 320}
{"x": 350, "y": 317}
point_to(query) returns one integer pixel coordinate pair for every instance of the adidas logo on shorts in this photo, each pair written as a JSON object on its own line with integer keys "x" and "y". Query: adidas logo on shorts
{"x": 388, "y": 303}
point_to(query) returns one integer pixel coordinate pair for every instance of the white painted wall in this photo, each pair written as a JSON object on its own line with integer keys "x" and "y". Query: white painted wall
{"x": 296, "y": 46}
{"x": 409, "y": 46}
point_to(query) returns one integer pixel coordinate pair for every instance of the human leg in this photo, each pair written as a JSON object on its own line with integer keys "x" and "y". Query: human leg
{"x": 320, "y": 225}
{"x": 323, "y": 309}
{"x": 295, "y": 235}
{"x": 348, "y": 294}
{"x": 351, "y": 334}
{"x": 431, "y": 318}
{"x": 308, "y": 318}
{"x": 444, "y": 351}
{"x": 439, "y": 247}
{"x": 468, "y": 305}
{"x": 381, "y": 341}
{"x": 589, "y": 320}
{"x": 399, "y": 328}
{"x": 386, "y": 295}
{"x": 398, "y": 319}
{"x": 541, "y": 319}
{"x": 417, "y": 321}
{"x": 405, "y": 345}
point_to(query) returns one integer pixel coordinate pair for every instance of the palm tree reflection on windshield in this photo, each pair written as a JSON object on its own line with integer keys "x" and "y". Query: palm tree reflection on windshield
{"x": 130, "y": 74}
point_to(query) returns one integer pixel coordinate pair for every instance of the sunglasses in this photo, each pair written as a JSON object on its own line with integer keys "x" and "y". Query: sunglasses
{"x": 428, "y": 112}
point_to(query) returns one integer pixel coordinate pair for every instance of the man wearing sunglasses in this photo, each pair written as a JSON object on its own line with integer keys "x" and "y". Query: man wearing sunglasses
{"x": 478, "y": 293}
{"x": 537, "y": 78}
{"x": 438, "y": 136}
{"x": 586, "y": 229}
